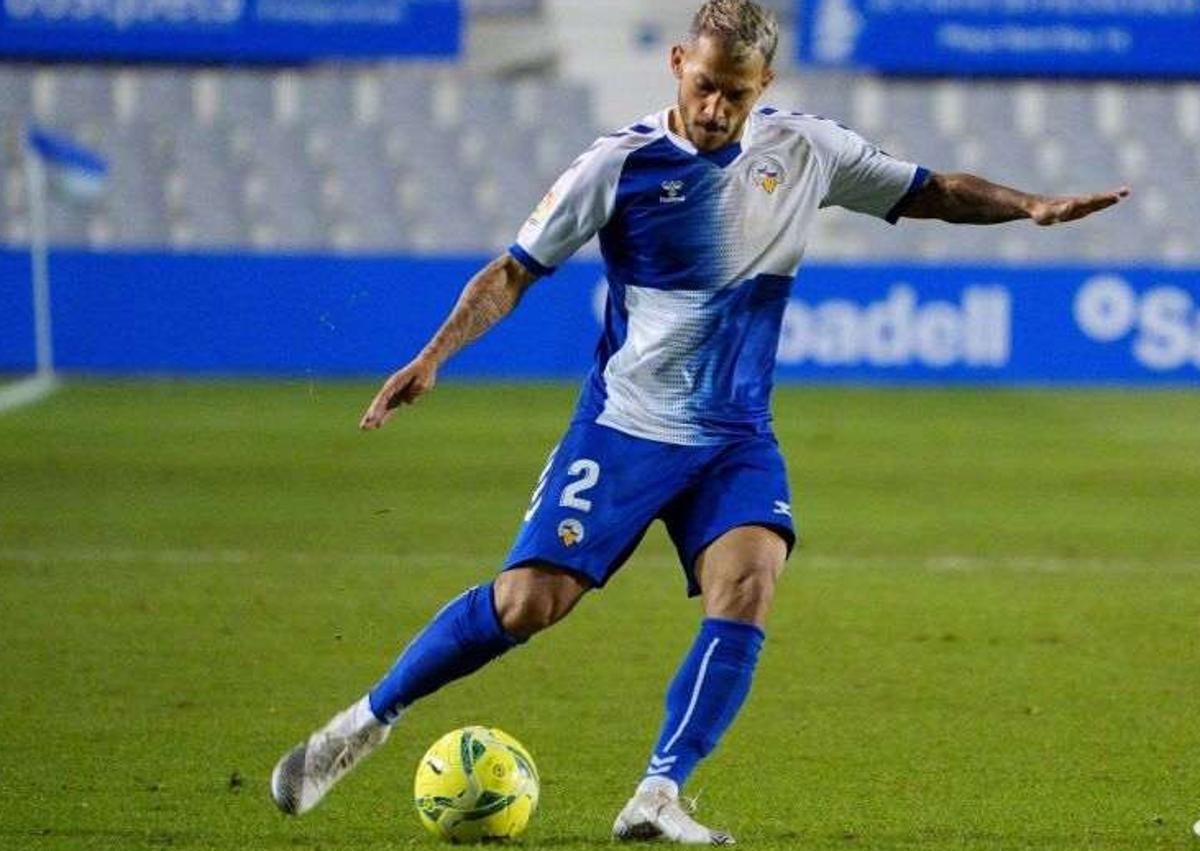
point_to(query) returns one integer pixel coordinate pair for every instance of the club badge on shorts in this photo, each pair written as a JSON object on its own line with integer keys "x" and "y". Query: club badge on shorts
{"x": 570, "y": 532}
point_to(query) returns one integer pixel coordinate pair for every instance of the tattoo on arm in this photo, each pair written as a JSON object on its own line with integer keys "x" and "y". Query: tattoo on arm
{"x": 968, "y": 199}
{"x": 488, "y": 297}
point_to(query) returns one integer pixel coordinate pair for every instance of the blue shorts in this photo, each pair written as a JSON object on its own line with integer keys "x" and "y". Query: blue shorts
{"x": 601, "y": 489}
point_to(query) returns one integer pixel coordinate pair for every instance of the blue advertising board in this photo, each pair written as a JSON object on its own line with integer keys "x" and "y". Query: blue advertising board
{"x": 229, "y": 30}
{"x": 274, "y": 315}
{"x": 1116, "y": 38}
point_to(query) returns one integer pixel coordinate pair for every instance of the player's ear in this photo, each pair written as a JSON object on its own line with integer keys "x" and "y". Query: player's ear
{"x": 678, "y": 54}
{"x": 768, "y": 77}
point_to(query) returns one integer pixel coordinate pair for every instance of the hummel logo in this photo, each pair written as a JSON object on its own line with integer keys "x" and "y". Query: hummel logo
{"x": 671, "y": 192}
{"x": 783, "y": 508}
{"x": 660, "y": 765}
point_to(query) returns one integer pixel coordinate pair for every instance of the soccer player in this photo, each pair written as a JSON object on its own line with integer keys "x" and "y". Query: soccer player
{"x": 703, "y": 211}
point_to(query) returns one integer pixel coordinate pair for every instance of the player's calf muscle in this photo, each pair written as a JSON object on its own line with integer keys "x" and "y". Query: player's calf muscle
{"x": 530, "y": 599}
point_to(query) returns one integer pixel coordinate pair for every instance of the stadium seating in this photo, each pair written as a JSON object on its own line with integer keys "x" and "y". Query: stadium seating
{"x": 431, "y": 158}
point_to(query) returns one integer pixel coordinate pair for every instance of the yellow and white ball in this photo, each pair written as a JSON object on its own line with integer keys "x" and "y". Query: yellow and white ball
{"x": 475, "y": 784}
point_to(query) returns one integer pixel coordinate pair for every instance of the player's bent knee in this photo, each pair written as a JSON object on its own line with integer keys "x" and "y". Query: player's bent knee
{"x": 749, "y": 582}
{"x": 739, "y": 573}
{"x": 745, "y": 595}
{"x": 530, "y": 599}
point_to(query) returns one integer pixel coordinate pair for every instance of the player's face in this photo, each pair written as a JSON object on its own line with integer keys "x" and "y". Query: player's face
{"x": 716, "y": 90}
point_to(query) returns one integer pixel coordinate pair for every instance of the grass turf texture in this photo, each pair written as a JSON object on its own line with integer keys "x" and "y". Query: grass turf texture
{"x": 989, "y": 639}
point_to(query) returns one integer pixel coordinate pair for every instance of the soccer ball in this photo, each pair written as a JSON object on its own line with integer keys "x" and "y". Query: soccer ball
{"x": 475, "y": 784}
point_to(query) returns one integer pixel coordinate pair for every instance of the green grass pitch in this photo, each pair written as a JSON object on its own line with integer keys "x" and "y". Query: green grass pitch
{"x": 990, "y": 638}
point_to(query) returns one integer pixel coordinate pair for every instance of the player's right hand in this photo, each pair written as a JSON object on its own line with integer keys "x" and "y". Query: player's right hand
{"x": 403, "y": 387}
{"x": 1053, "y": 211}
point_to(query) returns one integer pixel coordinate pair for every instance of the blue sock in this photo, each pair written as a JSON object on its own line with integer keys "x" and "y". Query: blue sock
{"x": 463, "y": 637}
{"x": 705, "y": 696}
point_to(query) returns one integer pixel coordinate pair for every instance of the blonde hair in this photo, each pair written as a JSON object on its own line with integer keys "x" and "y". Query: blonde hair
{"x": 741, "y": 25}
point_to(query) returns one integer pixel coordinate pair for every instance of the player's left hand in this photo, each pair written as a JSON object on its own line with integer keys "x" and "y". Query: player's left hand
{"x": 403, "y": 387}
{"x": 1053, "y": 211}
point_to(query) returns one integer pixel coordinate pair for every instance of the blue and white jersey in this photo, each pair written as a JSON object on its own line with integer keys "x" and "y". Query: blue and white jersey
{"x": 700, "y": 252}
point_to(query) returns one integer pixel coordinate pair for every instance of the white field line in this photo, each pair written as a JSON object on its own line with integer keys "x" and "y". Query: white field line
{"x": 1018, "y": 563}
{"x": 26, "y": 391}
{"x": 205, "y": 557}
{"x": 202, "y": 557}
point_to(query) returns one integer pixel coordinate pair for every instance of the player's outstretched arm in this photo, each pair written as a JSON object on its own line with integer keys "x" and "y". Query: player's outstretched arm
{"x": 489, "y": 297}
{"x": 968, "y": 199}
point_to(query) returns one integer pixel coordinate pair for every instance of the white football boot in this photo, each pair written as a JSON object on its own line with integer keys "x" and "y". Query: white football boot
{"x": 655, "y": 811}
{"x": 308, "y": 771}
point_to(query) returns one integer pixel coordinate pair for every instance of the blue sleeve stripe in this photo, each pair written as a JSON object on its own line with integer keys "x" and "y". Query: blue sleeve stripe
{"x": 919, "y": 179}
{"x": 527, "y": 260}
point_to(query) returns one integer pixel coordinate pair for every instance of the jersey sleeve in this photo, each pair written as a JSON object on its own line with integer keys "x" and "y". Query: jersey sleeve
{"x": 868, "y": 180}
{"x": 578, "y": 204}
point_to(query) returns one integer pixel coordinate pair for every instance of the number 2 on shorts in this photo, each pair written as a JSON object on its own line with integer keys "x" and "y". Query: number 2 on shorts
{"x": 589, "y": 472}
{"x": 586, "y": 468}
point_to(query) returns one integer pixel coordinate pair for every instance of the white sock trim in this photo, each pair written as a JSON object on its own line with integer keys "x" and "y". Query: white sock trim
{"x": 687, "y": 716}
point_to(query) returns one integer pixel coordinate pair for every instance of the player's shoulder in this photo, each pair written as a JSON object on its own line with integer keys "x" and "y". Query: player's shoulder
{"x": 605, "y": 158}
{"x": 620, "y": 143}
{"x": 817, "y": 129}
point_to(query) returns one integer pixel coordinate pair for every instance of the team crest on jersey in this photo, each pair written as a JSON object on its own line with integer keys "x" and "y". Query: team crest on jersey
{"x": 570, "y": 532}
{"x": 768, "y": 174}
{"x": 672, "y": 192}
{"x": 543, "y": 208}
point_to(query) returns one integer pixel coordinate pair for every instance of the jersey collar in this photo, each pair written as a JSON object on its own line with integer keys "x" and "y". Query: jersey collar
{"x": 721, "y": 157}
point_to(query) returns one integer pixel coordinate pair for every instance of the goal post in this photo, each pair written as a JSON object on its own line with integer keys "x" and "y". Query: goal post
{"x": 55, "y": 166}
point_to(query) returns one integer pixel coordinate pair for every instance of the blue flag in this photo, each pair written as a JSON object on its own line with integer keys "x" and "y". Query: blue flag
{"x": 72, "y": 171}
